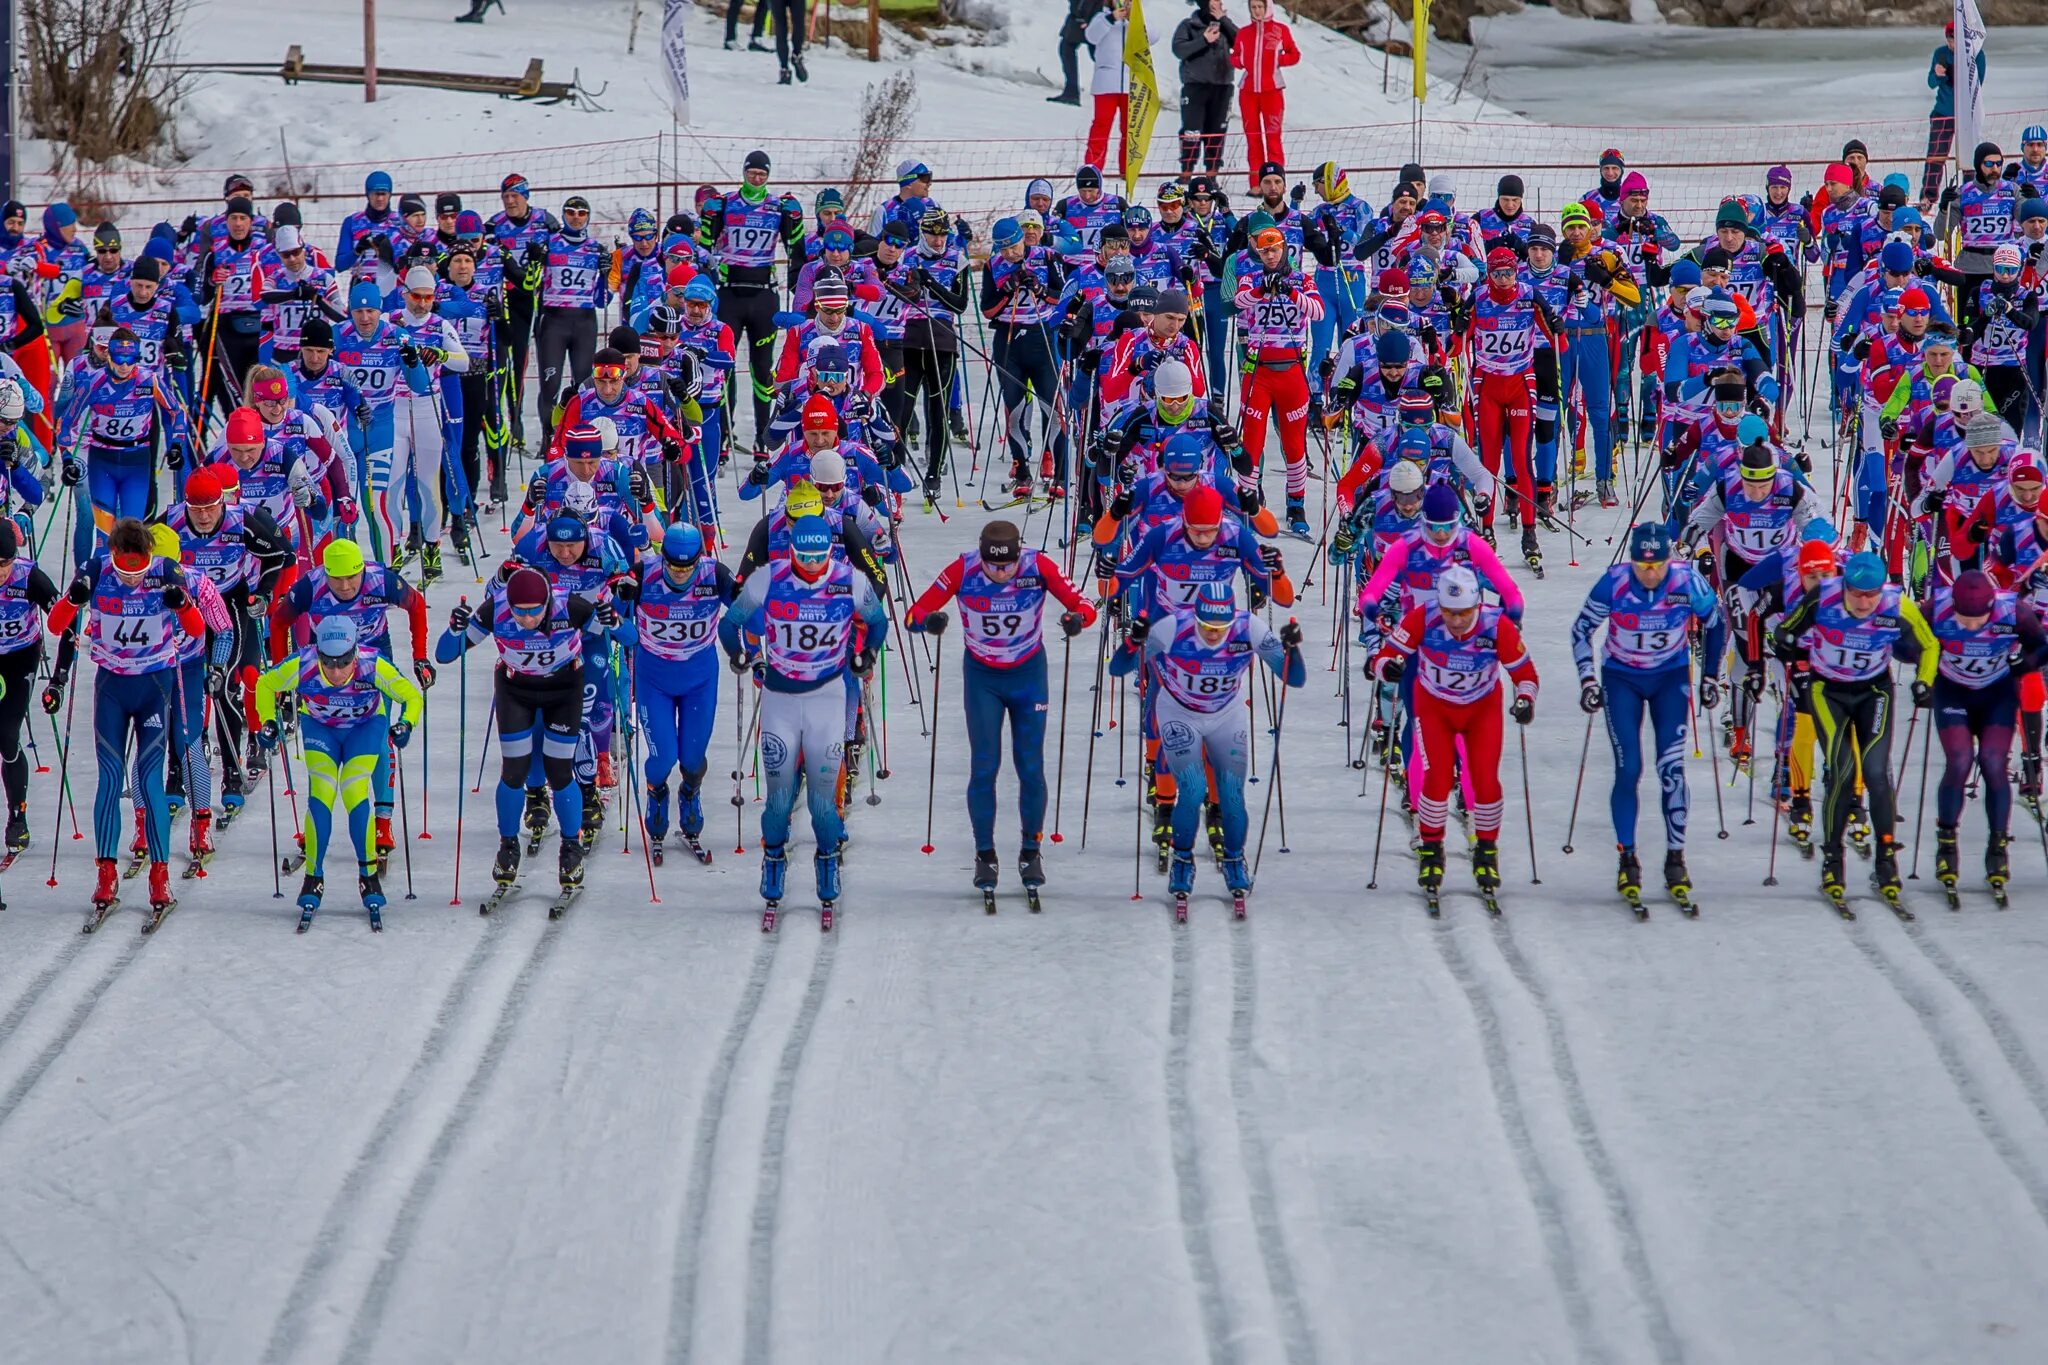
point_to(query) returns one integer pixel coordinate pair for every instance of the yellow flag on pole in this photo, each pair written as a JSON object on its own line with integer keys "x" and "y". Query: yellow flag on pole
{"x": 1419, "y": 41}
{"x": 1142, "y": 101}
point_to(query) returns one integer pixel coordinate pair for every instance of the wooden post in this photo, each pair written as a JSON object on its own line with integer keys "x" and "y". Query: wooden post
{"x": 369, "y": 51}
{"x": 874, "y": 30}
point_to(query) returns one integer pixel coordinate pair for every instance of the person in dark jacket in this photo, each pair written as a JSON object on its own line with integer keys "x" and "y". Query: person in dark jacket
{"x": 1073, "y": 37}
{"x": 1202, "y": 43}
{"x": 1941, "y": 120}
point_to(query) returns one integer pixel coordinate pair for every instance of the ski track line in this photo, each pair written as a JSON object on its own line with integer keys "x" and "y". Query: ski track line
{"x": 2002, "y": 1031}
{"x": 774, "y": 1142}
{"x": 1635, "y": 1256}
{"x": 1257, "y": 1157}
{"x": 1967, "y": 1083}
{"x": 362, "y": 1333}
{"x": 80, "y": 1012}
{"x": 1544, "y": 1197}
{"x": 288, "y": 1333}
{"x": 1187, "y": 1167}
{"x": 682, "y": 1309}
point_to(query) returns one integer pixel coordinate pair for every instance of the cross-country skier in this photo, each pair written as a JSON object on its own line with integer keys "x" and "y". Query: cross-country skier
{"x": 342, "y": 687}
{"x": 26, "y": 594}
{"x": 1650, "y": 607}
{"x": 1001, "y": 587}
{"x": 811, "y": 619}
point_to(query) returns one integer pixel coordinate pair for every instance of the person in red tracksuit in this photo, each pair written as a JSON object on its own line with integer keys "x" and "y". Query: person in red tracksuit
{"x": 1263, "y": 47}
{"x": 1507, "y": 316}
{"x": 1460, "y": 647}
{"x": 1274, "y": 311}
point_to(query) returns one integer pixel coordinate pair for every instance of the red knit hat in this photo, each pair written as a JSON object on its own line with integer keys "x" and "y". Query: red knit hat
{"x": 1202, "y": 507}
{"x": 245, "y": 428}
{"x": 202, "y": 488}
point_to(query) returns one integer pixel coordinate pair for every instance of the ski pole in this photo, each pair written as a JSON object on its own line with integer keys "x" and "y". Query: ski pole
{"x": 405, "y": 820}
{"x": 462, "y": 761}
{"x": 1714, "y": 761}
{"x": 1380, "y": 830}
{"x": 633, "y": 782}
{"x": 483, "y": 756}
{"x": 276, "y": 859}
{"x": 64, "y": 765}
{"x": 1094, "y": 728}
{"x": 1920, "y": 819}
{"x": 1279, "y": 723}
{"x": 1528, "y": 806}
{"x": 1060, "y": 766}
{"x": 738, "y": 794}
{"x": 1784, "y": 699}
{"x": 1580, "y": 785}
{"x": 931, "y": 786}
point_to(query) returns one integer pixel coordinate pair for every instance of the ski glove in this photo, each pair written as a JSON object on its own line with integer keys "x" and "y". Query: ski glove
{"x": 53, "y": 696}
{"x": 459, "y": 619}
{"x": 401, "y": 733}
{"x": 74, "y": 473}
{"x": 267, "y": 738}
{"x": 1591, "y": 698}
{"x": 1290, "y": 634}
{"x": 1524, "y": 710}
{"x": 1923, "y": 694}
{"x": 424, "y": 671}
{"x": 1710, "y": 693}
{"x": 1072, "y": 623}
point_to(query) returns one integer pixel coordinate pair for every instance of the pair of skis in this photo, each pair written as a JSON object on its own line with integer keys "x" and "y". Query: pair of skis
{"x": 503, "y": 892}
{"x": 771, "y": 910}
{"x": 1240, "y": 903}
{"x": 309, "y": 906}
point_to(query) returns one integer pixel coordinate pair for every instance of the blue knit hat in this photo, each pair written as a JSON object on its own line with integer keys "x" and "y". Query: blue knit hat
{"x": 1394, "y": 348}
{"x": 1686, "y": 273}
{"x": 1896, "y": 257}
{"x": 1440, "y": 505}
{"x": 377, "y": 182}
{"x": 1864, "y": 572}
{"x": 364, "y": 294}
{"x": 1006, "y": 232}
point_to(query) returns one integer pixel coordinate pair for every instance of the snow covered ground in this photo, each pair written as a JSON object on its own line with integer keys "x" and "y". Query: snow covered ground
{"x": 1338, "y": 1132}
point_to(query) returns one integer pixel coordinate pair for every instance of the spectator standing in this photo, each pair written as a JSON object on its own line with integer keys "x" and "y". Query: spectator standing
{"x": 1073, "y": 34}
{"x": 1941, "y": 121}
{"x": 1112, "y": 105}
{"x": 1203, "y": 43}
{"x": 1261, "y": 50}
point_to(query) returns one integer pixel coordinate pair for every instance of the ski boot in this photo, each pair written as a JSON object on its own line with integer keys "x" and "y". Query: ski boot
{"x": 1799, "y": 821}
{"x": 1628, "y": 878}
{"x": 657, "y": 812}
{"x": 957, "y": 423}
{"x": 1429, "y": 870}
{"x": 1031, "y": 871}
{"x": 1212, "y": 817}
{"x": 1238, "y": 878}
{"x": 796, "y": 63}
{"x": 1297, "y": 518}
{"x": 1532, "y": 549}
{"x": 200, "y": 844}
{"x": 430, "y": 563}
{"x": 1678, "y": 881}
{"x": 108, "y": 887}
{"x": 1947, "y": 859}
{"x": 1020, "y": 479}
{"x": 569, "y": 874}
{"x": 826, "y": 867}
{"x": 371, "y": 891}
{"x": 774, "y": 867}
{"x": 1604, "y": 490}
{"x": 931, "y": 488}
{"x": 505, "y": 870}
{"x": 1885, "y": 872}
{"x": 1180, "y": 882}
{"x": 1833, "y": 884}
{"x": 535, "y": 818}
{"x": 689, "y": 811}
{"x": 986, "y": 870}
{"x": 605, "y": 777}
{"x": 311, "y": 889}
{"x": 1859, "y": 827}
{"x": 1546, "y": 502}
{"x": 1997, "y": 867}
{"x": 17, "y": 827}
{"x": 1162, "y": 828}
{"x": 2030, "y": 777}
{"x": 593, "y": 815}
{"x": 1486, "y": 865}
{"x": 161, "y": 901}
{"x": 386, "y": 841}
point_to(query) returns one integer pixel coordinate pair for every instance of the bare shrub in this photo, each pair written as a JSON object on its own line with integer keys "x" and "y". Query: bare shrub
{"x": 100, "y": 84}
{"x": 887, "y": 111}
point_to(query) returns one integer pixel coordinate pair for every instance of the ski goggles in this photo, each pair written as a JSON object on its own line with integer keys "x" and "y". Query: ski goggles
{"x": 124, "y": 352}
{"x": 1916, "y": 312}
{"x": 608, "y": 371}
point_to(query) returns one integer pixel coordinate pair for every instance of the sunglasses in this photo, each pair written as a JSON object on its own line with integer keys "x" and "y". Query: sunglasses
{"x": 580, "y": 213}
{"x": 1181, "y": 478}
{"x": 1917, "y": 313}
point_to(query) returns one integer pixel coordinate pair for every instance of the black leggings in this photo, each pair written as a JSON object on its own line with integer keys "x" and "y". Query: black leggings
{"x": 749, "y": 309}
{"x": 18, "y": 671}
{"x": 515, "y": 340}
{"x": 1855, "y": 723}
{"x": 543, "y": 718}
{"x": 931, "y": 372}
{"x": 1204, "y": 116}
{"x": 568, "y": 344}
{"x": 789, "y": 29}
{"x": 2006, "y": 386}
{"x": 476, "y": 389}
{"x": 1024, "y": 357}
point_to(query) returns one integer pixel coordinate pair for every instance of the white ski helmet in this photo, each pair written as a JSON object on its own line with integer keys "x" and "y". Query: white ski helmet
{"x": 1405, "y": 478}
{"x": 828, "y": 467}
{"x": 1965, "y": 398}
{"x": 1458, "y": 589}
{"x": 12, "y": 404}
{"x": 1173, "y": 379}
{"x": 579, "y": 499}
{"x": 607, "y": 433}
